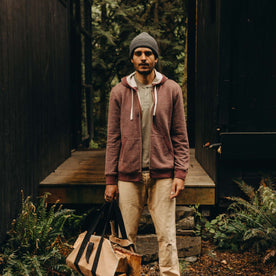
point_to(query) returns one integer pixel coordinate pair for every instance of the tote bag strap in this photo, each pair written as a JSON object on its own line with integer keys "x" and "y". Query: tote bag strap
{"x": 119, "y": 220}
{"x": 112, "y": 210}
{"x": 88, "y": 235}
{"x": 98, "y": 252}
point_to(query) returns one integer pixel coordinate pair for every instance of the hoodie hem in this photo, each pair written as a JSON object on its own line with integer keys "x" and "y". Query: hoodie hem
{"x": 133, "y": 177}
{"x": 137, "y": 177}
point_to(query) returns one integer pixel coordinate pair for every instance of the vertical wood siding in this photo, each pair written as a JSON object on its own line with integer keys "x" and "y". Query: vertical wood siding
{"x": 235, "y": 84}
{"x": 247, "y": 85}
{"x": 252, "y": 101}
{"x": 206, "y": 83}
{"x": 35, "y": 101}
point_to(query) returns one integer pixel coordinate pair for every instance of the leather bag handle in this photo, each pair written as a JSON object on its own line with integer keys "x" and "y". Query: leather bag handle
{"x": 88, "y": 235}
{"x": 98, "y": 252}
{"x": 112, "y": 210}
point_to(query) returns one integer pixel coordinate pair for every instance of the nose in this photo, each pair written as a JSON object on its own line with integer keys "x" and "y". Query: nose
{"x": 143, "y": 56}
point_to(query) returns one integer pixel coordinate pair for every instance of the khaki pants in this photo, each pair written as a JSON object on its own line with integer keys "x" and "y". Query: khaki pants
{"x": 156, "y": 193}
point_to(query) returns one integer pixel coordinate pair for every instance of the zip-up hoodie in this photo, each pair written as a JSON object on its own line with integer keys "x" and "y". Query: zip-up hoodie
{"x": 169, "y": 147}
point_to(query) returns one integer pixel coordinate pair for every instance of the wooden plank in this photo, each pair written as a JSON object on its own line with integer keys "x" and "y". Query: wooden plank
{"x": 80, "y": 179}
{"x": 76, "y": 194}
{"x": 85, "y": 167}
{"x": 88, "y": 167}
{"x": 197, "y": 195}
{"x": 197, "y": 176}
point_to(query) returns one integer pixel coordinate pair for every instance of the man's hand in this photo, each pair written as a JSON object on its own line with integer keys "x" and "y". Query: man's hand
{"x": 111, "y": 191}
{"x": 177, "y": 187}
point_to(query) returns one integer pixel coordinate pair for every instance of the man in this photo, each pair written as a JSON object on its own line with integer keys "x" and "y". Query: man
{"x": 147, "y": 151}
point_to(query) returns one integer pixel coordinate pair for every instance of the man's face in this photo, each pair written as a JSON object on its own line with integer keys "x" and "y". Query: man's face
{"x": 143, "y": 60}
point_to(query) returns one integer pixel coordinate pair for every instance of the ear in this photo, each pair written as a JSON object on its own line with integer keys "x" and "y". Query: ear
{"x": 131, "y": 60}
{"x": 156, "y": 60}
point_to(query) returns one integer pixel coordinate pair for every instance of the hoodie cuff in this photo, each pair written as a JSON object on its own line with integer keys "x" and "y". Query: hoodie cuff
{"x": 111, "y": 180}
{"x": 180, "y": 174}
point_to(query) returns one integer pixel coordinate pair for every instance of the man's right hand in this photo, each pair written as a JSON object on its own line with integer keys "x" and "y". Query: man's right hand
{"x": 111, "y": 191}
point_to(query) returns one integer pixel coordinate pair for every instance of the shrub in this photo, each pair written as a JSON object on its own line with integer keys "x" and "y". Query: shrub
{"x": 248, "y": 223}
{"x": 35, "y": 244}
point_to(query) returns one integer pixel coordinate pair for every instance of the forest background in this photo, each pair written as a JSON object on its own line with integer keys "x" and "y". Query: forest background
{"x": 114, "y": 24}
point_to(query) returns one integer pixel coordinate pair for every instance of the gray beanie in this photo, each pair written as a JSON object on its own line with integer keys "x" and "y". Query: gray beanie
{"x": 144, "y": 40}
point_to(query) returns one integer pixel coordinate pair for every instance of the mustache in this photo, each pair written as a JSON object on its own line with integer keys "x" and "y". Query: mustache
{"x": 143, "y": 64}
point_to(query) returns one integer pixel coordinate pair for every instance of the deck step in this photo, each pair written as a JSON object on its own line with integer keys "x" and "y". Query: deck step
{"x": 80, "y": 179}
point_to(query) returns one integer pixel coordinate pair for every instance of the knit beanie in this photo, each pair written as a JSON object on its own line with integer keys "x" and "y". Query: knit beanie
{"x": 143, "y": 40}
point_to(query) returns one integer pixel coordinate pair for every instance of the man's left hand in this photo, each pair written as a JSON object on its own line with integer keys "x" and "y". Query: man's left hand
{"x": 177, "y": 187}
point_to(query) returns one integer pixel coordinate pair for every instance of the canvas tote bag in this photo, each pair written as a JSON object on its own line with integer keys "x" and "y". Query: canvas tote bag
{"x": 95, "y": 255}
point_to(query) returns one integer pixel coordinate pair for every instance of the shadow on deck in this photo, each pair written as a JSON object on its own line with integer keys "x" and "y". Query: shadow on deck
{"x": 80, "y": 179}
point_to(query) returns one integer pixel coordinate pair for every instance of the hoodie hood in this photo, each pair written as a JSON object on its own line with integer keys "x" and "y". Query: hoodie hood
{"x": 129, "y": 81}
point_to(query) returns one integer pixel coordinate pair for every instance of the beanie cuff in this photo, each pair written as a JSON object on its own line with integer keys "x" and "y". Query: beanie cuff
{"x": 144, "y": 40}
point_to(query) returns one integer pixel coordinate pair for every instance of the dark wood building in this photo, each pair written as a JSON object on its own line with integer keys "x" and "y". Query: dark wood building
{"x": 43, "y": 45}
{"x": 232, "y": 89}
{"x": 35, "y": 99}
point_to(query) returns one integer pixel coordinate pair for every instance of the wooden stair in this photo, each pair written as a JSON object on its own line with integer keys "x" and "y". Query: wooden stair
{"x": 80, "y": 180}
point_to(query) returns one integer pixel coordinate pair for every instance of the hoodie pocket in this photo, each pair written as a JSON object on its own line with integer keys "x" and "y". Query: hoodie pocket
{"x": 161, "y": 153}
{"x": 130, "y": 155}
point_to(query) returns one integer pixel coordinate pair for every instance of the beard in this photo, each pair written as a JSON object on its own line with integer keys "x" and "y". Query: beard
{"x": 145, "y": 72}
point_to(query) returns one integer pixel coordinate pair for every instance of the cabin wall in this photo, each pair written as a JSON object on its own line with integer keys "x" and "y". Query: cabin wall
{"x": 252, "y": 101}
{"x": 247, "y": 98}
{"x": 206, "y": 75}
{"x": 35, "y": 99}
{"x": 235, "y": 99}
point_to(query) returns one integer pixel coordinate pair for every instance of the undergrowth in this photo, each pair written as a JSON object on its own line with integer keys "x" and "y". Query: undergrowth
{"x": 36, "y": 243}
{"x": 248, "y": 223}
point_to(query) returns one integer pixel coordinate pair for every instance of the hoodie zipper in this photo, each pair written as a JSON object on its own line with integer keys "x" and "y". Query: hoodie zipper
{"x": 140, "y": 130}
{"x": 151, "y": 116}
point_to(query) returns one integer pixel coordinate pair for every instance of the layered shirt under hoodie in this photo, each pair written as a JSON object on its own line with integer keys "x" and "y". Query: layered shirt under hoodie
{"x": 146, "y": 129}
{"x": 144, "y": 92}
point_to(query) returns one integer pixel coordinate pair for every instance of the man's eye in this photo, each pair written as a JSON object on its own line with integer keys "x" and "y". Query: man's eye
{"x": 148, "y": 54}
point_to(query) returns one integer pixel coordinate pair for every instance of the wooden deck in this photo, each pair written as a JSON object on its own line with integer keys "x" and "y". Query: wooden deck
{"x": 80, "y": 179}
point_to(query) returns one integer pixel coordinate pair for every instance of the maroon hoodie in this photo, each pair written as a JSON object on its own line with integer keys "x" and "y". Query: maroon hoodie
{"x": 169, "y": 147}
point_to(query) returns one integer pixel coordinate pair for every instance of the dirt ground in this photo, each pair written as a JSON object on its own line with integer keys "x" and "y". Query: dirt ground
{"x": 217, "y": 262}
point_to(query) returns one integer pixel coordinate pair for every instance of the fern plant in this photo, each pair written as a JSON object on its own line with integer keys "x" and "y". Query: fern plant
{"x": 36, "y": 244}
{"x": 249, "y": 223}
